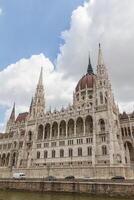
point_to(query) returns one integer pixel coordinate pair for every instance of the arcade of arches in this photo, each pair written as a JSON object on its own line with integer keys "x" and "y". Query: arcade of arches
{"x": 63, "y": 129}
{"x": 8, "y": 160}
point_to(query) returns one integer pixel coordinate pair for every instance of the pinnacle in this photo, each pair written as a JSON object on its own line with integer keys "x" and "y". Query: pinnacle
{"x": 89, "y": 69}
{"x": 40, "y": 82}
{"x": 12, "y": 116}
{"x": 100, "y": 57}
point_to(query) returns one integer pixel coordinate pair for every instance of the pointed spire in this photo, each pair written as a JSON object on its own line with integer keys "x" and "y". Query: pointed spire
{"x": 100, "y": 57}
{"x": 90, "y": 69}
{"x": 12, "y": 116}
{"x": 31, "y": 105}
{"x": 40, "y": 82}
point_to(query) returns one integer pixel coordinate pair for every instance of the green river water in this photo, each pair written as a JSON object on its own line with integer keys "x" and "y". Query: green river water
{"x": 15, "y": 195}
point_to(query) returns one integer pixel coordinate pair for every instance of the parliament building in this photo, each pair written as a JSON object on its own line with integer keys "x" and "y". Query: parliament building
{"x": 90, "y": 137}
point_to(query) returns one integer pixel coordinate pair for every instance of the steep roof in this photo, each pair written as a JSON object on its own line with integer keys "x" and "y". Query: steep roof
{"x": 21, "y": 117}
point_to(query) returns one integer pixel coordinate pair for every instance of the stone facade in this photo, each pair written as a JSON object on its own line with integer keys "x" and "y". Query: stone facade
{"x": 89, "y": 137}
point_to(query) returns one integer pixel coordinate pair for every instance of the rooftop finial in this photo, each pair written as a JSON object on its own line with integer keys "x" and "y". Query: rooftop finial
{"x": 100, "y": 58}
{"x": 89, "y": 69}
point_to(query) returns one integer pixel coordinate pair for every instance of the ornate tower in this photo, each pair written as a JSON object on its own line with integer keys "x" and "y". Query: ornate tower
{"x": 11, "y": 120}
{"x": 107, "y": 119}
{"x": 38, "y": 102}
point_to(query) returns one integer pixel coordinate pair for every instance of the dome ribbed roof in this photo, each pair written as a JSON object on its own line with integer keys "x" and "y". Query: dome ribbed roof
{"x": 86, "y": 81}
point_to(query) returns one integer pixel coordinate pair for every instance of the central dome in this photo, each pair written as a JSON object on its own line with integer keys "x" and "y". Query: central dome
{"x": 87, "y": 80}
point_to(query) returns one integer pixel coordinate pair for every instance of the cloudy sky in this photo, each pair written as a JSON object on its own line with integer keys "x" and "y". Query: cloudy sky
{"x": 59, "y": 35}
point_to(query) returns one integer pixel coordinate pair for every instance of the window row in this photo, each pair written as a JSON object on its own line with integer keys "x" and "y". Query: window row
{"x": 62, "y": 153}
{"x": 69, "y": 128}
{"x": 63, "y": 143}
{"x": 70, "y": 152}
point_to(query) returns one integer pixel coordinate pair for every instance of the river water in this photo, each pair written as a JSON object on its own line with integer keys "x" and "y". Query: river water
{"x": 15, "y": 195}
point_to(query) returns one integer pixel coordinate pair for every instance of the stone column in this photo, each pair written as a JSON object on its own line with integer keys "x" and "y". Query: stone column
{"x": 75, "y": 128}
{"x": 58, "y": 131}
{"x": 50, "y": 132}
{"x": 84, "y": 133}
{"x": 66, "y": 131}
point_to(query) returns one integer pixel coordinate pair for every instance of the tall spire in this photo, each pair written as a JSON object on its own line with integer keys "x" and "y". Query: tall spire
{"x": 40, "y": 82}
{"x": 38, "y": 102}
{"x": 12, "y": 116}
{"x": 31, "y": 105}
{"x": 89, "y": 69}
{"x": 100, "y": 57}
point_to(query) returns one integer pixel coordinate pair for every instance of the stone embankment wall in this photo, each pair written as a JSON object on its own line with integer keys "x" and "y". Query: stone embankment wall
{"x": 92, "y": 188}
{"x": 101, "y": 172}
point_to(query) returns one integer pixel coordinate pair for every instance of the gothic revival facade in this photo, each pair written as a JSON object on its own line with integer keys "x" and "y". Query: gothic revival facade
{"x": 88, "y": 138}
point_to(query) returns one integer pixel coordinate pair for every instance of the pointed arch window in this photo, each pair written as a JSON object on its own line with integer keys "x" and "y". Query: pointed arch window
{"x": 38, "y": 154}
{"x": 40, "y": 132}
{"x": 70, "y": 152}
{"x": 61, "y": 153}
{"x": 104, "y": 150}
{"x": 79, "y": 151}
{"x": 45, "y": 154}
{"x": 53, "y": 153}
{"x": 89, "y": 151}
{"x": 102, "y": 125}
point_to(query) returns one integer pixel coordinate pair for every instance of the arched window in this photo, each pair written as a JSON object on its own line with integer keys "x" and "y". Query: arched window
{"x": 38, "y": 154}
{"x": 125, "y": 131}
{"x": 104, "y": 150}
{"x": 89, "y": 151}
{"x": 40, "y": 132}
{"x": 55, "y": 129}
{"x": 101, "y": 98}
{"x": 7, "y": 159}
{"x": 45, "y": 154}
{"x": 129, "y": 132}
{"x": 79, "y": 126}
{"x": 14, "y": 159}
{"x": 47, "y": 131}
{"x": 88, "y": 125}
{"x": 102, "y": 125}
{"x": 79, "y": 151}
{"x": 53, "y": 153}
{"x": 29, "y": 135}
{"x": 70, "y": 127}
{"x": 15, "y": 144}
{"x": 3, "y": 159}
{"x": 62, "y": 128}
{"x": 61, "y": 153}
{"x": 122, "y": 131}
{"x": 70, "y": 152}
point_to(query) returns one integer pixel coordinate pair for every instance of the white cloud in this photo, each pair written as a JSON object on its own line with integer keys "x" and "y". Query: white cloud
{"x": 111, "y": 23}
{"x": 19, "y": 83}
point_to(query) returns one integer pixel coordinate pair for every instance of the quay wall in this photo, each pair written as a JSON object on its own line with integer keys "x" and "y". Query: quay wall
{"x": 78, "y": 172}
{"x": 91, "y": 188}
